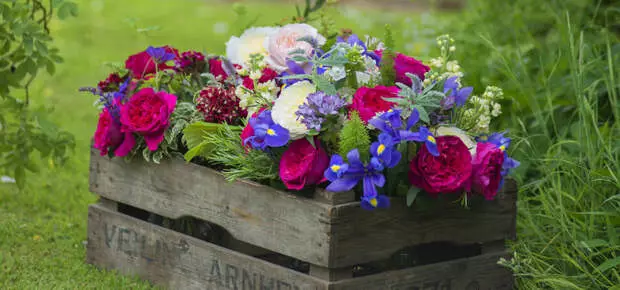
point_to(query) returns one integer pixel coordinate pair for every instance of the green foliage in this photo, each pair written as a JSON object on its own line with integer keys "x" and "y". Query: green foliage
{"x": 195, "y": 137}
{"x": 388, "y": 74}
{"x": 237, "y": 161}
{"x": 415, "y": 97}
{"x": 25, "y": 51}
{"x": 354, "y": 135}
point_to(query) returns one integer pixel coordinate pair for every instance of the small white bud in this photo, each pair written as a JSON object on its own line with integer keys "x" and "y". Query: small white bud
{"x": 452, "y": 48}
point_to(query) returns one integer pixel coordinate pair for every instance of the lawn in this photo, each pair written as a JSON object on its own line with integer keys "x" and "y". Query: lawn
{"x": 43, "y": 227}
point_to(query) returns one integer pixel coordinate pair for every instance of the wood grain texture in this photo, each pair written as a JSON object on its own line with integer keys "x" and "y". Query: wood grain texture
{"x": 177, "y": 261}
{"x": 359, "y": 236}
{"x": 252, "y": 213}
{"x": 476, "y": 273}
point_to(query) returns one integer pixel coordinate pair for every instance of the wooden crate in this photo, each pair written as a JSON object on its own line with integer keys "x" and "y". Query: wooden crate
{"x": 330, "y": 232}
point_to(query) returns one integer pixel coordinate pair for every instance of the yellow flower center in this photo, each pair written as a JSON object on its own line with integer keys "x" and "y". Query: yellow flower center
{"x": 431, "y": 139}
{"x": 271, "y": 132}
{"x": 380, "y": 149}
{"x": 483, "y": 138}
{"x": 373, "y": 202}
{"x": 503, "y": 148}
{"x": 335, "y": 168}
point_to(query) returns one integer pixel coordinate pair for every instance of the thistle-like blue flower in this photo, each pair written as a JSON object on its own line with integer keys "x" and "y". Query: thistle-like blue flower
{"x": 317, "y": 107}
{"x": 266, "y": 132}
{"x": 159, "y": 54}
{"x": 454, "y": 95}
{"x": 390, "y": 123}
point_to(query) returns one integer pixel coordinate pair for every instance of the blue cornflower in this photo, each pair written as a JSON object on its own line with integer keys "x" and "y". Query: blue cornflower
{"x": 390, "y": 123}
{"x": 454, "y": 95}
{"x": 159, "y": 54}
{"x": 344, "y": 177}
{"x": 317, "y": 107}
{"x": 385, "y": 150}
{"x": 266, "y": 132}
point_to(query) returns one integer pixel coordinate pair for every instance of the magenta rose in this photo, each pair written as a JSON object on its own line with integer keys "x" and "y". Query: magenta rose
{"x": 108, "y": 134}
{"x": 147, "y": 113}
{"x": 487, "y": 170}
{"x": 405, "y": 64}
{"x": 369, "y": 101}
{"x": 447, "y": 173}
{"x": 141, "y": 64}
{"x": 302, "y": 164}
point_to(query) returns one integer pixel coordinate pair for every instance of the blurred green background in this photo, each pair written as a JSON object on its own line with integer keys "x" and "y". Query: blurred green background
{"x": 555, "y": 59}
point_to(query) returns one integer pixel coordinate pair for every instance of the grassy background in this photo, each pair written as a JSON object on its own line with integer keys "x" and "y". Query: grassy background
{"x": 42, "y": 228}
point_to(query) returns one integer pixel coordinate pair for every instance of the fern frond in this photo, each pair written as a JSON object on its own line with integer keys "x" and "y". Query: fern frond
{"x": 354, "y": 135}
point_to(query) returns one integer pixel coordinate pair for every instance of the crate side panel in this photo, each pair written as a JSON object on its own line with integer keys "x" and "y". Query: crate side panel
{"x": 177, "y": 261}
{"x": 253, "y": 213}
{"x": 481, "y": 272}
{"x": 360, "y": 236}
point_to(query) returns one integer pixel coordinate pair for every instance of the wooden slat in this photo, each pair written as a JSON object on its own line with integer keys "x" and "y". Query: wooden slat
{"x": 359, "y": 236}
{"x": 252, "y": 213}
{"x": 476, "y": 273}
{"x": 176, "y": 261}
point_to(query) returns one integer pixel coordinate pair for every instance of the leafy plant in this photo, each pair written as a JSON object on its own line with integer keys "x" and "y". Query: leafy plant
{"x": 354, "y": 135}
{"x": 25, "y": 50}
{"x": 388, "y": 74}
{"x": 416, "y": 97}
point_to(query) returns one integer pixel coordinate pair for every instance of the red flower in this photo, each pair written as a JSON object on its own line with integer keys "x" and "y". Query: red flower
{"x": 248, "y": 83}
{"x": 303, "y": 164}
{"x": 369, "y": 101}
{"x": 108, "y": 134}
{"x": 487, "y": 170}
{"x": 148, "y": 114}
{"x": 216, "y": 69}
{"x": 447, "y": 173}
{"x": 220, "y": 105}
{"x": 141, "y": 64}
{"x": 111, "y": 83}
{"x": 190, "y": 61}
{"x": 248, "y": 131}
{"x": 405, "y": 64}
{"x": 267, "y": 74}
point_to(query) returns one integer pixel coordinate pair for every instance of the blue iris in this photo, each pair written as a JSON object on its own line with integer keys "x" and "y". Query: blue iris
{"x": 266, "y": 132}
{"x": 390, "y": 123}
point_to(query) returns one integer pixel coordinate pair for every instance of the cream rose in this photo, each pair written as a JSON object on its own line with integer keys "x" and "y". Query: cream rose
{"x": 280, "y": 44}
{"x": 252, "y": 41}
{"x": 283, "y": 112}
{"x": 453, "y": 131}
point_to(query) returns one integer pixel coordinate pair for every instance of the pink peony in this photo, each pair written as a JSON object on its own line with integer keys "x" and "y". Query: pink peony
{"x": 302, "y": 164}
{"x": 447, "y": 173}
{"x": 147, "y": 113}
{"x": 487, "y": 170}
{"x": 369, "y": 101}
{"x": 405, "y": 64}
{"x": 108, "y": 134}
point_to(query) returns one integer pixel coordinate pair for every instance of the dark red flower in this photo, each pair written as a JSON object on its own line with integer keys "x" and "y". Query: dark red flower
{"x": 142, "y": 64}
{"x": 190, "y": 61}
{"x": 220, "y": 105}
{"x": 267, "y": 74}
{"x": 303, "y": 164}
{"x": 111, "y": 83}
{"x": 216, "y": 69}
{"x": 108, "y": 134}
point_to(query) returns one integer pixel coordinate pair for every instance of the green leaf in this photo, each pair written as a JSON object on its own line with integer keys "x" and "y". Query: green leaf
{"x": 41, "y": 47}
{"x": 311, "y": 141}
{"x": 412, "y": 194}
{"x": 67, "y": 9}
{"x": 30, "y": 66}
{"x": 20, "y": 177}
{"x": 354, "y": 135}
{"x": 28, "y": 45}
{"x": 609, "y": 264}
{"x": 51, "y": 67}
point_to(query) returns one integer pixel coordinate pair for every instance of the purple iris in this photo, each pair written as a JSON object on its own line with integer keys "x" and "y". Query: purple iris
{"x": 354, "y": 40}
{"x": 385, "y": 150}
{"x": 502, "y": 142}
{"x": 266, "y": 132}
{"x": 296, "y": 69}
{"x": 345, "y": 176}
{"x": 159, "y": 54}
{"x": 317, "y": 107}
{"x": 454, "y": 95}
{"x": 390, "y": 122}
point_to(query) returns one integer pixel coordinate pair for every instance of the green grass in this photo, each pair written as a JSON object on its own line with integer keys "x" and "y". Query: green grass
{"x": 43, "y": 227}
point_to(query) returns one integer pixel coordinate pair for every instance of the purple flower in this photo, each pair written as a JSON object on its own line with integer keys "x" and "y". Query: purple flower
{"x": 337, "y": 167}
{"x": 317, "y": 107}
{"x": 110, "y": 100}
{"x": 296, "y": 69}
{"x": 454, "y": 95}
{"x": 354, "y": 40}
{"x": 266, "y": 132}
{"x": 379, "y": 201}
{"x": 159, "y": 54}
{"x": 385, "y": 150}
{"x": 390, "y": 123}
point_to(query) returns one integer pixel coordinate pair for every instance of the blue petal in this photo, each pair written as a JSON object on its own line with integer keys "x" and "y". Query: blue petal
{"x": 379, "y": 124}
{"x": 294, "y": 67}
{"x": 377, "y": 179}
{"x": 383, "y": 201}
{"x": 345, "y": 183}
{"x": 450, "y": 85}
{"x": 375, "y": 165}
{"x": 413, "y": 118}
{"x": 386, "y": 139}
{"x": 432, "y": 148}
{"x": 410, "y": 136}
{"x": 462, "y": 95}
{"x": 279, "y": 139}
{"x": 369, "y": 187}
{"x": 365, "y": 204}
{"x": 354, "y": 159}
{"x": 394, "y": 159}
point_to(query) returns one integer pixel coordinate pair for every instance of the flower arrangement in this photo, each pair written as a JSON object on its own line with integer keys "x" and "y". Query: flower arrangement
{"x": 293, "y": 108}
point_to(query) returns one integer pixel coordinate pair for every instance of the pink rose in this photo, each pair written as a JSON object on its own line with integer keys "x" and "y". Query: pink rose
{"x": 285, "y": 40}
{"x": 405, "y": 64}
{"x": 369, "y": 101}
{"x": 447, "y": 173}
{"x": 108, "y": 134}
{"x": 141, "y": 64}
{"x": 302, "y": 164}
{"x": 148, "y": 114}
{"x": 487, "y": 170}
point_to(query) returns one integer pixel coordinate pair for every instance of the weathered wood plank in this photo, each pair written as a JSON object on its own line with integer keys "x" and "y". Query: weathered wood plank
{"x": 177, "y": 261}
{"x": 252, "y": 213}
{"x": 480, "y": 272}
{"x": 359, "y": 236}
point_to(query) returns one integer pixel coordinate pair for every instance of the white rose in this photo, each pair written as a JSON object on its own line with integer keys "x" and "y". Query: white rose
{"x": 281, "y": 43}
{"x": 453, "y": 131}
{"x": 283, "y": 111}
{"x": 252, "y": 41}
